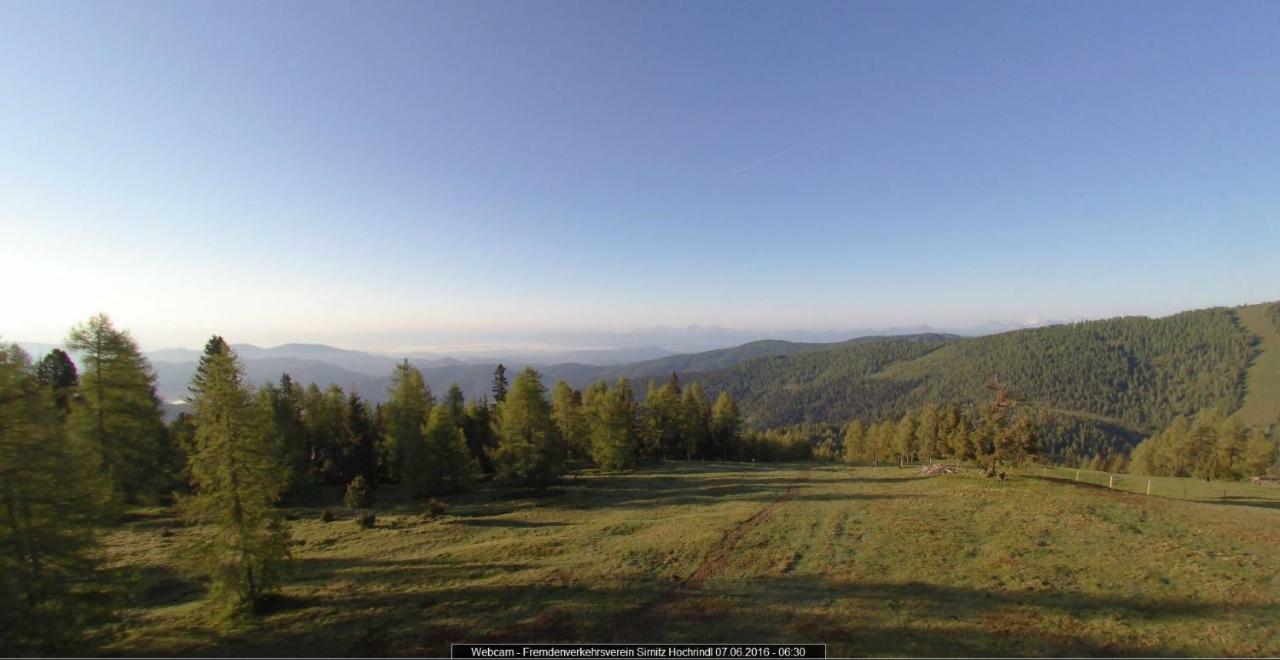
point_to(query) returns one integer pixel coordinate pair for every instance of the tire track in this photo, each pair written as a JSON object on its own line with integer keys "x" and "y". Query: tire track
{"x": 720, "y": 554}
{"x": 650, "y": 614}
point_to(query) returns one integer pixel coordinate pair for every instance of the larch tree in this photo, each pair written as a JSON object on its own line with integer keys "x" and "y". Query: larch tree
{"x": 695, "y": 420}
{"x": 51, "y": 584}
{"x": 241, "y": 541}
{"x": 407, "y": 410}
{"x": 611, "y": 421}
{"x": 571, "y": 421}
{"x": 448, "y": 467}
{"x": 115, "y": 418}
{"x": 725, "y": 425}
{"x": 530, "y": 452}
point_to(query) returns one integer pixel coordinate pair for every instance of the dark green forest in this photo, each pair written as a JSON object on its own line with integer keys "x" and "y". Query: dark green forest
{"x": 1106, "y": 383}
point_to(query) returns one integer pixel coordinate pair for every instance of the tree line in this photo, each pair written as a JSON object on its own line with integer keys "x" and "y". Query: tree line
{"x": 79, "y": 445}
{"x": 1210, "y": 446}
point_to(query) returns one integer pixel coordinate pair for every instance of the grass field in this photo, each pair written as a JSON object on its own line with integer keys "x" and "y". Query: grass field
{"x": 1262, "y": 384}
{"x": 872, "y": 561}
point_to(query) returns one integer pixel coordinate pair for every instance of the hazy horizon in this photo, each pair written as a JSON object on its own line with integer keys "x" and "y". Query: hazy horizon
{"x": 477, "y": 344}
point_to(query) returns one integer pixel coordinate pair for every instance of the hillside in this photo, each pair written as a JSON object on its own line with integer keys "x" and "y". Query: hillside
{"x": 1262, "y": 385}
{"x": 1132, "y": 373}
{"x": 870, "y": 561}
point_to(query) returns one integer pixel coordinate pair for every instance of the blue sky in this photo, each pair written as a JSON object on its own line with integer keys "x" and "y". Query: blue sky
{"x": 363, "y": 173}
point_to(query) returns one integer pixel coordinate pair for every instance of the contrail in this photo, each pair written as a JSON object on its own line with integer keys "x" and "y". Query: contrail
{"x": 770, "y": 157}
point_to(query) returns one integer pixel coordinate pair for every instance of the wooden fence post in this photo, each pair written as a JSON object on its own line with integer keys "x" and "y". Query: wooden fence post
{"x": 1077, "y": 475}
{"x": 1112, "y": 482}
{"x": 1148, "y": 486}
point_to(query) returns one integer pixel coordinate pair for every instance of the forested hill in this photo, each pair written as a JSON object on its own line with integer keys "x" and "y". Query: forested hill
{"x": 1132, "y": 372}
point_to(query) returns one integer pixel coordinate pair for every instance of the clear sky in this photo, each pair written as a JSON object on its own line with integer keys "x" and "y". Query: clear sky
{"x": 351, "y": 172}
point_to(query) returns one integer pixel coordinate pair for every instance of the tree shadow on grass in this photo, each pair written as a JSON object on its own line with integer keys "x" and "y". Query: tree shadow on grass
{"x": 508, "y": 523}
{"x": 403, "y": 607}
{"x": 1240, "y": 500}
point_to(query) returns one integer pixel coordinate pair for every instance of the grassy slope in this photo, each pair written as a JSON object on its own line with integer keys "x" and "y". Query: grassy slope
{"x": 1262, "y": 387}
{"x": 872, "y": 561}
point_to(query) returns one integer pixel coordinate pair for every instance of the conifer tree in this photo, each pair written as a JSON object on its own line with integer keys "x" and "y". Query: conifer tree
{"x": 571, "y": 421}
{"x": 57, "y": 372}
{"x": 500, "y": 384}
{"x": 407, "y": 410}
{"x": 448, "y": 467}
{"x": 237, "y": 475}
{"x": 695, "y": 420}
{"x": 281, "y": 407}
{"x": 725, "y": 426}
{"x": 855, "y": 438}
{"x": 661, "y": 419}
{"x": 358, "y": 442}
{"x": 51, "y": 583}
{"x": 116, "y": 419}
{"x": 611, "y": 420}
{"x": 530, "y": 453}
{"x": 478, "y": 428}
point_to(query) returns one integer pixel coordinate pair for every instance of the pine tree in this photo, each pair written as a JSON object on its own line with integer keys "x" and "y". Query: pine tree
{"x": 500, "y": 384}
{"x": 237, "y": 475}
{"x": 51, "y": 583}
{"x": 530, "y": 453}
{"x": 408, "y": 408}
{"x": 116, "y": 418}
{"x": 725, "y": 425}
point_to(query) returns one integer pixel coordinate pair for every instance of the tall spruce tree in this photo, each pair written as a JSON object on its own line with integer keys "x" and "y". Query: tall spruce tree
{"x": 241, "y": 541}
{"x": 500, "y": 384}
{"x": 116, "y": 417}
{"x": 57, "y": 372}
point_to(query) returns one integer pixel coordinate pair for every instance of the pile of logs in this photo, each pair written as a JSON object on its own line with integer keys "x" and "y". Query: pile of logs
{"x": 936, "y": 469}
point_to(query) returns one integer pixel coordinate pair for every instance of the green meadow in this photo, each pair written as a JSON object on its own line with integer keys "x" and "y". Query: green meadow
{"x": 872, "y": 561}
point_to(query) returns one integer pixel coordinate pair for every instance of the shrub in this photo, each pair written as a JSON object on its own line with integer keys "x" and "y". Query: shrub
{"x": 327, "y": 516}
{"x": 366, "y": 519}
{"x": 359, "y": 494}
{"x": 434, "y": 507}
